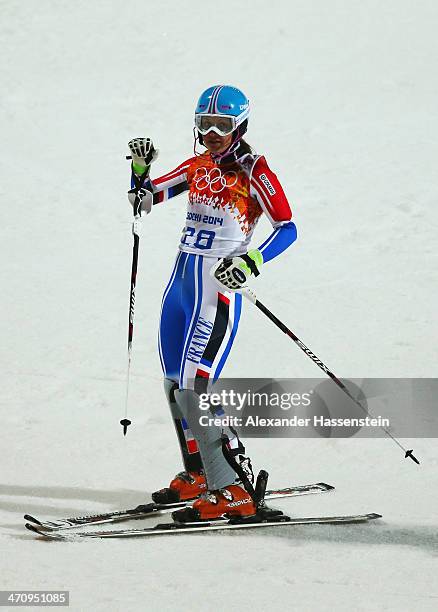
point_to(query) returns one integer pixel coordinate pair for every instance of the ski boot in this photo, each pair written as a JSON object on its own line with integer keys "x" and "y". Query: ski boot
{"x": 184, "y": 487}
{"x": 233, "y": 501}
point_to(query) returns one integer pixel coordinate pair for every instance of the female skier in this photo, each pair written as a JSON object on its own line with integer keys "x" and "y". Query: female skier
{"x": 229, "y": 188}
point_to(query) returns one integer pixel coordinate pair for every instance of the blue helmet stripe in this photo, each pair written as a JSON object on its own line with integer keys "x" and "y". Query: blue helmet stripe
{"x": 210, "y": 103}
{"x": 216, "y": 98}
{"x": 212, "y": 108}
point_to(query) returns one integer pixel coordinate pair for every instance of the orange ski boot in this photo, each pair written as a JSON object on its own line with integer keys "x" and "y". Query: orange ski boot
{"x": 232, "y": 501}
{"x": 184, "y": 487}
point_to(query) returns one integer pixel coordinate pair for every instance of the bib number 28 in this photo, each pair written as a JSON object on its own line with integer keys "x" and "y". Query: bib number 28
{"x": 201, "y": 240}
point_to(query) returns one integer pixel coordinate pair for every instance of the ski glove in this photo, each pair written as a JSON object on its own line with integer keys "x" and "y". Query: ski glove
{"x": 232, "y": 273}
{"x": 144, "y": 202}
{"x": 143, "y": 154}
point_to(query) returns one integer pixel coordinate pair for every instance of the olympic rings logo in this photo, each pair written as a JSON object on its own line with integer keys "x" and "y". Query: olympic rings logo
{"x": 215, "y": 179}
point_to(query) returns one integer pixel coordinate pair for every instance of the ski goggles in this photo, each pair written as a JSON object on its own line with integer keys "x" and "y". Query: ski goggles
{"x": 221, "y": 124}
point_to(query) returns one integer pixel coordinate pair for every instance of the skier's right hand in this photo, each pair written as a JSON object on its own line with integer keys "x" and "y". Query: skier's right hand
{"x": 143, "y": 154}
{"x": 146, "y": 200}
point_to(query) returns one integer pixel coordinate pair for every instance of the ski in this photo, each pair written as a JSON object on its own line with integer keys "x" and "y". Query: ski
{"x": 220, "y": 525}
{"x": 152, "y": 509}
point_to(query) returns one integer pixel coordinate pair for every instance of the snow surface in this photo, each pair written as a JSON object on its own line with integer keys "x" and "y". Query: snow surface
{"x": 344, "y": 105}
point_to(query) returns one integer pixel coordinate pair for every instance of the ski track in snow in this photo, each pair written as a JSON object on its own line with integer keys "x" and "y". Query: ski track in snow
{"x": 344, "y": 106}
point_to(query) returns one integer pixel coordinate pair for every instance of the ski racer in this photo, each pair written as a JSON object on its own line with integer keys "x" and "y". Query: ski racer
{"x": 228, "y": 188}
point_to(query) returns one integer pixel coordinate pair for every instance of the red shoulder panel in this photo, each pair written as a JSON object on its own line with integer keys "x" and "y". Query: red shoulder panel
{"x": 269, "y": 192}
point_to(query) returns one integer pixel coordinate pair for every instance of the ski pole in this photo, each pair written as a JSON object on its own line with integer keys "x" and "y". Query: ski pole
{"x": 136, "y": 227}
{"x": 250, "y": 295}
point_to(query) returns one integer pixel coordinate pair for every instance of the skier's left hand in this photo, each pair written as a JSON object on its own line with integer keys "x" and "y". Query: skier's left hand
{"x": 232, "y": 273}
